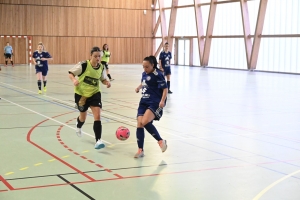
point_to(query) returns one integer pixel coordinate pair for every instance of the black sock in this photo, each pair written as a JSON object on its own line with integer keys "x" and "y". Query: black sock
{"x": 12, "y": 62}
{"x": 79, "y": 123}
{"x": 97, "y": 130}
{"x": 109, "y": 76}
{"x": 39, "y": 83}
{"x": 45, "y": 82}
{"x": 168, "y": 83}
{"x": 152, "y": 130}
{"x": 140, "y": 135}
{"x": 5, "y": 62}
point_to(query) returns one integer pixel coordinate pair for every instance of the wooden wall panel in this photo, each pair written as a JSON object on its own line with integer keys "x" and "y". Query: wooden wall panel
{"x": 65, "y": 21}
{"x": 125, "y": 4}
{"x": 70, "y": 50}
{"x": 19, "y": 49}
{"x": 69, "y": 28}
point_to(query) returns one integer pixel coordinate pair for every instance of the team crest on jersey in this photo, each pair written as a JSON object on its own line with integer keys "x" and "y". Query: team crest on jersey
{"x": 148, "y": 78}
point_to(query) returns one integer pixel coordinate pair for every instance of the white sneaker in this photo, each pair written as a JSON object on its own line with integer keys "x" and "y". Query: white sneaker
{"x": 99, "y": 145}
{"x": 78, "y": 132}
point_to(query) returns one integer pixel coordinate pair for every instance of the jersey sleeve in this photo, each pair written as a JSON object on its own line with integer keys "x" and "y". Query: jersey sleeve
{"x": 34, "y": 55}
{"x": 47, "y": 55}
{"x": 77, "y": 69}
{"x": 170, "y": 55}
{"x": 161, "y": 56}
{"x": 161, "y": 81}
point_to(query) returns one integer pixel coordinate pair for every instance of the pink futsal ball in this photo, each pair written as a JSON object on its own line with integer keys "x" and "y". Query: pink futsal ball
{"x": 122, "y": 133}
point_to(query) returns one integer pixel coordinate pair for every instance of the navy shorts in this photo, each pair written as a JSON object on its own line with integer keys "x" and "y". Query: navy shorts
{"x": 154, "y": 107}
{"x": 44, "y": 70}
{"x": 94, "y": 100}
{"x": 105, "y": 64}
{"x": 7, "y": 56}
{"x": 167, "y": 70}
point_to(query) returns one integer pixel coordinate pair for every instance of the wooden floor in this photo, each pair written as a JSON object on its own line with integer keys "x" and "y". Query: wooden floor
{"x": 232, "y": 135}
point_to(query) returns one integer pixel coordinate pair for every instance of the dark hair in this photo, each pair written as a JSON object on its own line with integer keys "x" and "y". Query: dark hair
{"x": 166, "y": 43}
{"x": 104, "y": 48}
{"x": 152, "y": 60}
{"x": 95, "y": 49}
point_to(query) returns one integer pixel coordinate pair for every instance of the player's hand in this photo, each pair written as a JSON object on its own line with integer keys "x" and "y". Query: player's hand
{"x": 137, "y": 90}
{"x": 162, "y": 104}
{"x": 43, "y": 59}
{"x": 76, "y": 82}
{"x": 108, "y": 84}
{"x": 161, "y": 69}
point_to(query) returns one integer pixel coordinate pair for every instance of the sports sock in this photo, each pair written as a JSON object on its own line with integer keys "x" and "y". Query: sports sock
{"x": 45, "y": 82}
{"x": 169, "y": 85}
{"x": 140, "y": 135}
{"x": 79, "y": 123}
{"x": 98, "y": 130}
{"x": 39, "y": 83}
{"x": 153, "y": 131}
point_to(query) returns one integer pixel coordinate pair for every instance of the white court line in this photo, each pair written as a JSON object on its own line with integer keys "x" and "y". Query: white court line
{"x": 50, "y": 118}
{"x": 111, "y": 116}
{"x": 273, "y": 184}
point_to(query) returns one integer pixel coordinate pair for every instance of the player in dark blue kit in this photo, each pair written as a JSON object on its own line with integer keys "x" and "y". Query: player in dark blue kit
{"x": 154, "y": 95}
{"x": 40, "y": 60}
{"x": 164, "y": 64}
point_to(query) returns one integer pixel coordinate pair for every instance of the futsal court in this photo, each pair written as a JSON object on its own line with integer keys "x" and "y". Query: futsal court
{"x": 231, "y": 135}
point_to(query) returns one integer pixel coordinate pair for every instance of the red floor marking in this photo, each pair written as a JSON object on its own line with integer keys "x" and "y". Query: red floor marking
{"x": 108, "y": 170}
{"x": 6, "y": 183}
{"x": 117, "y": 175}
{"x": 99, "y": 165}
{"x": 76, "y": 153}
{"x": 70, "y": 149}
{"x": 66, "y": 146}
{"x": 3, "y": 190}
{"x": 83, "y": 157}
{"x": 62, "y": 142}
{"x": 54, "y": 156}
{"x": 91, "y": 161}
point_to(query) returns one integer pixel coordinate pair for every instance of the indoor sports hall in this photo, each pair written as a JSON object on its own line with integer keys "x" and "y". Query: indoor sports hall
{"x": 230, "y": 121}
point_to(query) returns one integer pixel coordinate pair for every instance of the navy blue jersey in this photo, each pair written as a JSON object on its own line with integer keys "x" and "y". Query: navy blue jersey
{"x": 38, "y": 56}
{"x": 153, "y": 85}
{"x": 165, "y": 58}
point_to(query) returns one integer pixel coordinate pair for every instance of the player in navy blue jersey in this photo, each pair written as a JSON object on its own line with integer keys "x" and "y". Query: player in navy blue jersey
{"x": 154, "y": 95}
{"x": 40, "y": 60}
{"x": 164, "y": 64}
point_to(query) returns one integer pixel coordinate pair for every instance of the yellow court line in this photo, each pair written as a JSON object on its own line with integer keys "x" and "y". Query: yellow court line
{"x": 9, "y": 173}
{"x": 51, "y": 160}
{"x": 65, "y": 156}
{"x": 24, "y": 168}
{"x": 85, "y": 151}
{"x": 273, "y": 184}
{"x": 38, "y": 164}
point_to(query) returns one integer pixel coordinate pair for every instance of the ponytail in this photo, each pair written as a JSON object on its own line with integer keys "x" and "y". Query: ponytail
{"x": 152, "y": 60}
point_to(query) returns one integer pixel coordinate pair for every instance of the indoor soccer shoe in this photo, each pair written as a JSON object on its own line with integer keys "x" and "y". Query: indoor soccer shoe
{"x": 40, "y": 92}
{"x": 170, "y": 92}
{"x": 45, "y": 89}
{"x": 99, "y": 145}
{"x": 163, "y": 145}
{"x": 139, "y": 154}
{"x": 78, "y": 132}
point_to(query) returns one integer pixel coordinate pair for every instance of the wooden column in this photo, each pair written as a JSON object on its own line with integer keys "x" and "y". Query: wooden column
{"x": 209, "y": 31}
{"x": 258, "y": 33}
{"x": 200, "y": 30}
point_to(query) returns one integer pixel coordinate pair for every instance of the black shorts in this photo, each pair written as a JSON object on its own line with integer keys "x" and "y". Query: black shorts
{"x": 154, "y": 107}
{"x": 7, "y": 55}
{"x": 105, "y": 64}
{"x": 94, "y": 100}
